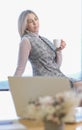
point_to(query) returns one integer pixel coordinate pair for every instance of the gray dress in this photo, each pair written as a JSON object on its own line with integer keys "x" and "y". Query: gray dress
{"x": 43, "y": 56}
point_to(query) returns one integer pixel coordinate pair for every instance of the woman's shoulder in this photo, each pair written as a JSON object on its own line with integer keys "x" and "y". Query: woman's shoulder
{"x": 25, "y": 36}
{"x": 25, "y": 41}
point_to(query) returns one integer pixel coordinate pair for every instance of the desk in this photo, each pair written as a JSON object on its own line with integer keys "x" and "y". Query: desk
{"x": 31, "y": 125}
{"x": 7, "y": 111}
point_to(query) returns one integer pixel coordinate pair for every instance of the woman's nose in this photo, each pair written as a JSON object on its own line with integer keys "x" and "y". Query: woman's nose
{"x": 34, "y": 22}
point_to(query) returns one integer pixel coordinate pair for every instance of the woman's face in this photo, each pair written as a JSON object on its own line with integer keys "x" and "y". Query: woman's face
{"x": 32, "y": 23}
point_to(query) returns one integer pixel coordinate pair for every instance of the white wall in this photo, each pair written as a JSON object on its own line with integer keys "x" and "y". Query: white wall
{"x": 58, "y": 19}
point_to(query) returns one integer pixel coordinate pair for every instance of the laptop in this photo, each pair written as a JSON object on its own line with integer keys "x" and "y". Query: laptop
{"x": 25, "y": 89}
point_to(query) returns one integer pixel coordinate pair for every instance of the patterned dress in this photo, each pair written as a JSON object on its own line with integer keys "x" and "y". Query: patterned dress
{"x": 43, "y": 56}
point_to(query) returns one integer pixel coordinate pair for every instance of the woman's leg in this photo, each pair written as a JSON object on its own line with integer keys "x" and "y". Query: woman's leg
{"x": 78, "y": 88}
{"x": 78, "y": 85}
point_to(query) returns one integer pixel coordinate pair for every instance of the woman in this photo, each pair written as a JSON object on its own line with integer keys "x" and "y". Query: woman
{"x": 45, "y": 58}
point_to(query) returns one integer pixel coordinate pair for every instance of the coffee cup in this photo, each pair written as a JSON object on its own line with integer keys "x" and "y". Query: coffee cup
{"x": 57, "y": 42}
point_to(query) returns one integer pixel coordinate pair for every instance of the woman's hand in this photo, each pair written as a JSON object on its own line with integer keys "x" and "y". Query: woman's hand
{"x": 62, "y": 46}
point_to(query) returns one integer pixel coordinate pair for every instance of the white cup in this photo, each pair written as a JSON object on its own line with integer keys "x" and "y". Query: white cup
{"x": 57, "y": 42}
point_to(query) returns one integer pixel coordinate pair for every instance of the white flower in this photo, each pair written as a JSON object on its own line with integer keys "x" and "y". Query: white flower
{"x": 46, "y": 100}
{"x": 51, "y": 108}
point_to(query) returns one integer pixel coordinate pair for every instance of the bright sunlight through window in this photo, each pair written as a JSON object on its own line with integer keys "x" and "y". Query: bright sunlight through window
{"x": 58, "y": 19}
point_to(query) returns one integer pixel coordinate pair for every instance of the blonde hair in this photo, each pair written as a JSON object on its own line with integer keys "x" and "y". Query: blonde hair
{"x": 22, "y": 21}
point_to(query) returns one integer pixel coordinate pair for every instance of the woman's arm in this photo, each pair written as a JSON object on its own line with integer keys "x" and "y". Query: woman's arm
{"x": 59, "y": 53}
{"x": 59, "y": 58}
{"x": 24, "y": 51}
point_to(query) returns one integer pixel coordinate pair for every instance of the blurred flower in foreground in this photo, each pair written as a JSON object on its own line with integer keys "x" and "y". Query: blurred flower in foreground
{"x": 53, "y": 108}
